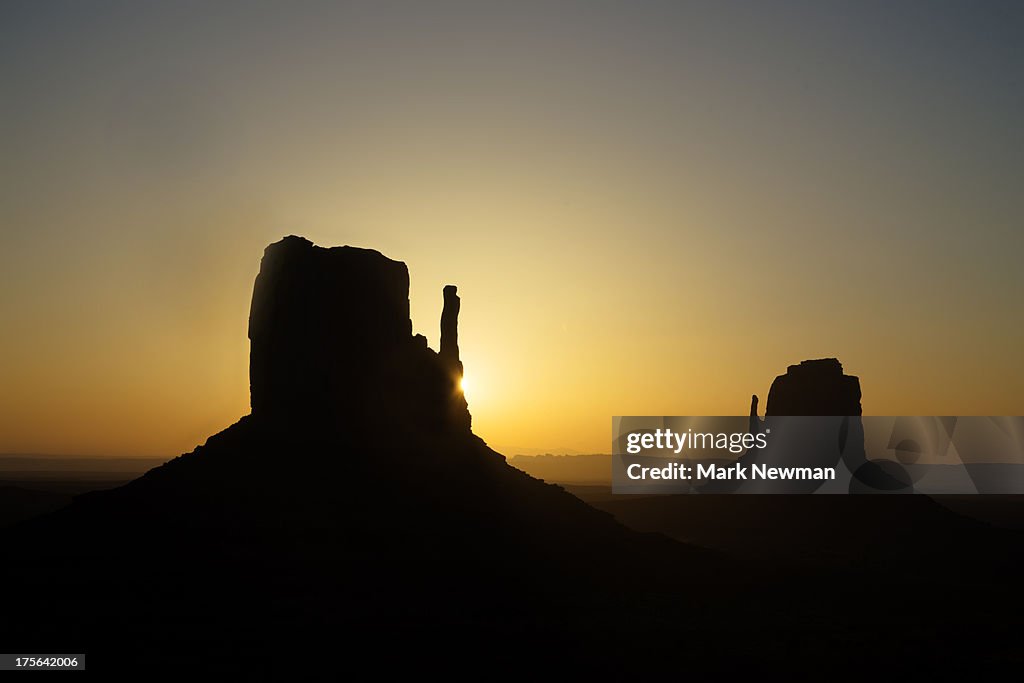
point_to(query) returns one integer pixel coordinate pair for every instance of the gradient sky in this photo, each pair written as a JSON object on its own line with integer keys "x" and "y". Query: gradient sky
{"x": 648, "y": 207}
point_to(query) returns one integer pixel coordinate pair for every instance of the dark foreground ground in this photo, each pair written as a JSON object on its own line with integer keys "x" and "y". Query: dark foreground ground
{"x": 827, "y": 586}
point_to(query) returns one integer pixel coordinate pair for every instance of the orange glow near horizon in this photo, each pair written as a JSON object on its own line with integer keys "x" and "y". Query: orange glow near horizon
{"x": 647, "y": 208}
{"x": 106, "y": 374}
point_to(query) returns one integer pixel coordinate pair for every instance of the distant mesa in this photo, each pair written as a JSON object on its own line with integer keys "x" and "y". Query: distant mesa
{"x": 814, "y": 387}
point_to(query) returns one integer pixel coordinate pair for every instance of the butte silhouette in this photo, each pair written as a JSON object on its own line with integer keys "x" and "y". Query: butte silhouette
{"x": 354, "y": 499}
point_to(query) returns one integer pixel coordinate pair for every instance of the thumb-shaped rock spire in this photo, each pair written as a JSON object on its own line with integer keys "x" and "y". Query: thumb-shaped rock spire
{"x": 754, "y": 425}
{"x": 450, "y": 330}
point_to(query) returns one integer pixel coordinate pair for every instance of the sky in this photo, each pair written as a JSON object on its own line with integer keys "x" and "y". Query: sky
{"x": 649, "y": 208}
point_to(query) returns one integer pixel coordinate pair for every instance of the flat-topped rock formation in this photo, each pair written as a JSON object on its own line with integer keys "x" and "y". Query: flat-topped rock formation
{"x": 814, "y": 387}
{"x": 353, "y": 505}
{"x": 332, "y": 345}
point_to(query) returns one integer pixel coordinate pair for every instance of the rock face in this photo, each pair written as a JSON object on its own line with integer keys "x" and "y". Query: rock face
{"x": 814, "y": 387}
{"x": 818, "y": 389}
{"x": 354, "y": 505}
{"x": 332, "y": 344}
{"x": 299, "y": 530}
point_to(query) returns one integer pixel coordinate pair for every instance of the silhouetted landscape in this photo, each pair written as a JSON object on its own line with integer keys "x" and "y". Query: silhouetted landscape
{"x": 353, "y": 516}
{"x": 534, "y": 340}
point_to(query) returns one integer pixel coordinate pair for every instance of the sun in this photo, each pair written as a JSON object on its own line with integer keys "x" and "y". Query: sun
{"x": 464, "y": 384}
